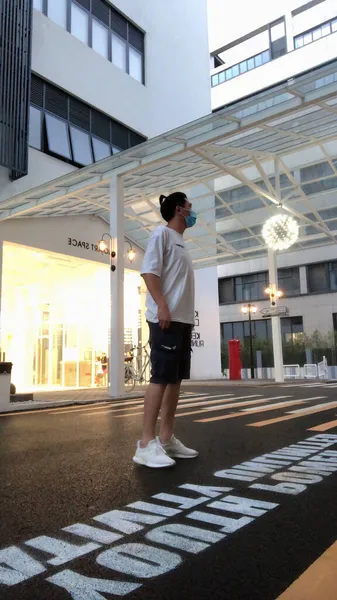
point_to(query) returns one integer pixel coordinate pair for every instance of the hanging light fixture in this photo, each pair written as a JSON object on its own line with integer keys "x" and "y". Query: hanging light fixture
{"x": 102, "y": 245}
{"x": 280, "y": 232}
{"x": 131, "y": 252}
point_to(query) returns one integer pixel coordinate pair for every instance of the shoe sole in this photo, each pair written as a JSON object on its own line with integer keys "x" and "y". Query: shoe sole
{"x": 138, "y": 461}
{"x": 183, "y": 456}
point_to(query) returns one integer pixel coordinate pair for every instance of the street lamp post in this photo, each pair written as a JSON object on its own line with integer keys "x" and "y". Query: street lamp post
{"x": 250, "y": 309}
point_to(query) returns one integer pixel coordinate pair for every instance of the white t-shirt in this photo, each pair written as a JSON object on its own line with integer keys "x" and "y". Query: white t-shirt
{"x": 167, "y": 257}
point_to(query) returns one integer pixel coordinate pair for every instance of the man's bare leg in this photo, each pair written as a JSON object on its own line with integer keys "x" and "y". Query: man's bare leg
{"x": 168, "y": 411}
{"x": 153, "y": 401}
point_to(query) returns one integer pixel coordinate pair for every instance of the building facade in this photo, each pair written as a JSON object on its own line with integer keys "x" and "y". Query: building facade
{"x": 94, "y": 78}
{"x": 273, "y": 43}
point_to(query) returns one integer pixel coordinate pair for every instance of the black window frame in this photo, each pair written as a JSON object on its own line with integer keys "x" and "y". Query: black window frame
{"x": 75, "y": 113}
{"x": 258, "y": 280}
{"x": 276, "y": 49}
{"x": 292, "y": 322}
{"x": 115, "y": 22}
{"x": 322, "y": 290}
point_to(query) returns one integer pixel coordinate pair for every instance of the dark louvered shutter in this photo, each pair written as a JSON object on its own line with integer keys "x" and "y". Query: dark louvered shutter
{"x": 136, "y": 139}
{"x": 79, "y": 114}
{"x": 100, "y": 125}
{"x": 119, "y": 135}
{"x": 56, "y": 101}
{"x": 101, "y": 11}
{"x": 84, "y": 3}
{"x": 136, "y": 38}
{"x": 119, "y": 24}
{"x": 36, "y": 91}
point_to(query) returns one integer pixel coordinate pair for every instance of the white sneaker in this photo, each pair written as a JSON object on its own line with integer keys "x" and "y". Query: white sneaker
{"x": 153, "y": 456}
{"x": 176, "y": 449}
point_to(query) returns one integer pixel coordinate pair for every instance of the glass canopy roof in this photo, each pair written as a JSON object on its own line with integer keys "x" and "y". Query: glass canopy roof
{"x": 276, "y": 150}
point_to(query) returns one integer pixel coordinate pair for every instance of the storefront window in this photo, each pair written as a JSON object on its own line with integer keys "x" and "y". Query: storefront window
{"x": 56, "y": 318}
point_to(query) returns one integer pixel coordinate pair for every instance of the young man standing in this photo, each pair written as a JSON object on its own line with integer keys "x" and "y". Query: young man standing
{"x": 168, "y": 274}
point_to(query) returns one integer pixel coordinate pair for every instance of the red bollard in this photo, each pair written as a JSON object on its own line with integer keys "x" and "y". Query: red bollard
{"x": 235, "y": 364}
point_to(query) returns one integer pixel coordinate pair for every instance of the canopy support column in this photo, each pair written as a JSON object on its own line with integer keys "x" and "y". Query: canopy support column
{"x": 116, "y": 340}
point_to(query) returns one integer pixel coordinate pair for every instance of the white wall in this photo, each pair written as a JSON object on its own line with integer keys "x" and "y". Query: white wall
{"x": 227, "y": 24}
{"x": 177, "y": 86}
{"x": 177, "y": 66}
{"x": 41, "y": 169}
{"x": 285, "y": 67}
{"x": 206, "y": 358}
{"x": 316, "y": 309}
{"x": 54, "y": 233}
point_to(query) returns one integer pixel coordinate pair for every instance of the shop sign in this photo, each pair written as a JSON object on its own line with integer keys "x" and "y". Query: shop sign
{"x": 197, "y": 342}
{"x": 86, "y": 246}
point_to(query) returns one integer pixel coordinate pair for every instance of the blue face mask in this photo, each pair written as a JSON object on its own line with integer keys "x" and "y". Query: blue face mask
{"x": 191, "y": 219}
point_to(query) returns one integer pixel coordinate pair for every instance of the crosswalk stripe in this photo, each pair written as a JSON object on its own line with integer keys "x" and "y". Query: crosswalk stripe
{"x": 309, "y": 408}
{"x": 318, "y": 582}
{"x": 225, "y": 406}
{"x": 181, "y": 405}
{"x": 130, "y": 405}
{"x": 294, "y": 416}
{"x": 250, "y": 411}
{"x": 324, "y": 426}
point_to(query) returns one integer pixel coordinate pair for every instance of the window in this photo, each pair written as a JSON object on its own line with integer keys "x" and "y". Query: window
{"x": 57, "y": 137}
{"x": 100, "y": 38}
{"x": 226, "y": 290}
{"x": 98, "y": 25}
{"x": 240, "y": 68}
{"x": 246, "y": 288}
{"x": 333, "y": 275}
{"x": 307, "y": 39}
{"x": 136, "y": 64}
{"x": 80, "y": 141}
{"x": 57, "y": 12}
{"x": 250, "y": 64}
{"x": 326, "y": 29}
{"x": 101, "y": 149}
{"x": 235, "y": 70}
{"x": 118, "y": 50}
{"x": 215, "y": 80}
{"x": 318, "y": 277}
{"x": 265, "y": 57}
{"x": 291, "y": 327}
{"x": 316, "y": 33}
{"x": 70, "y": 129}
{"x": 334, "y": 320}
{"x": 35, "y": 128}
{"x": 79, "y": 23}
{"x": 243, "y": 67}
{"x": 278, "y": 40}
{"x": 289, "y": 281}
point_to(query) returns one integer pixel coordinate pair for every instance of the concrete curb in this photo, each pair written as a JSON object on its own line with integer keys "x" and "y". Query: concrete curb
{"x": 28, "y": 406}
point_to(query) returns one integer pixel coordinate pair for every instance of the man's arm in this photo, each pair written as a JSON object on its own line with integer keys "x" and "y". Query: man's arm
{"x": 153, "y": 284}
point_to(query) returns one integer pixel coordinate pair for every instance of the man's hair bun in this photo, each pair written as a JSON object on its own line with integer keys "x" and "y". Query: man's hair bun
{"x": 162, "y": 199}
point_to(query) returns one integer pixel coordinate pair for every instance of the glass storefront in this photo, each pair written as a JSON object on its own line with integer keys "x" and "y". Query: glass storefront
{"x": 55, "y": 318}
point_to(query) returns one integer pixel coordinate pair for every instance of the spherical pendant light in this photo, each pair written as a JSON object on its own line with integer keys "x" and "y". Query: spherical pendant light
{"x": 280, "y": 232}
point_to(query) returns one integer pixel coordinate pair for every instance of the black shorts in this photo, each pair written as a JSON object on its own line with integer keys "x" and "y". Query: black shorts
{"x": 170, "y": 352}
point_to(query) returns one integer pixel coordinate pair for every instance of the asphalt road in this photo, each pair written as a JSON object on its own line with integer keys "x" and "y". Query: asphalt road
{"x": 71, "y": 467}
